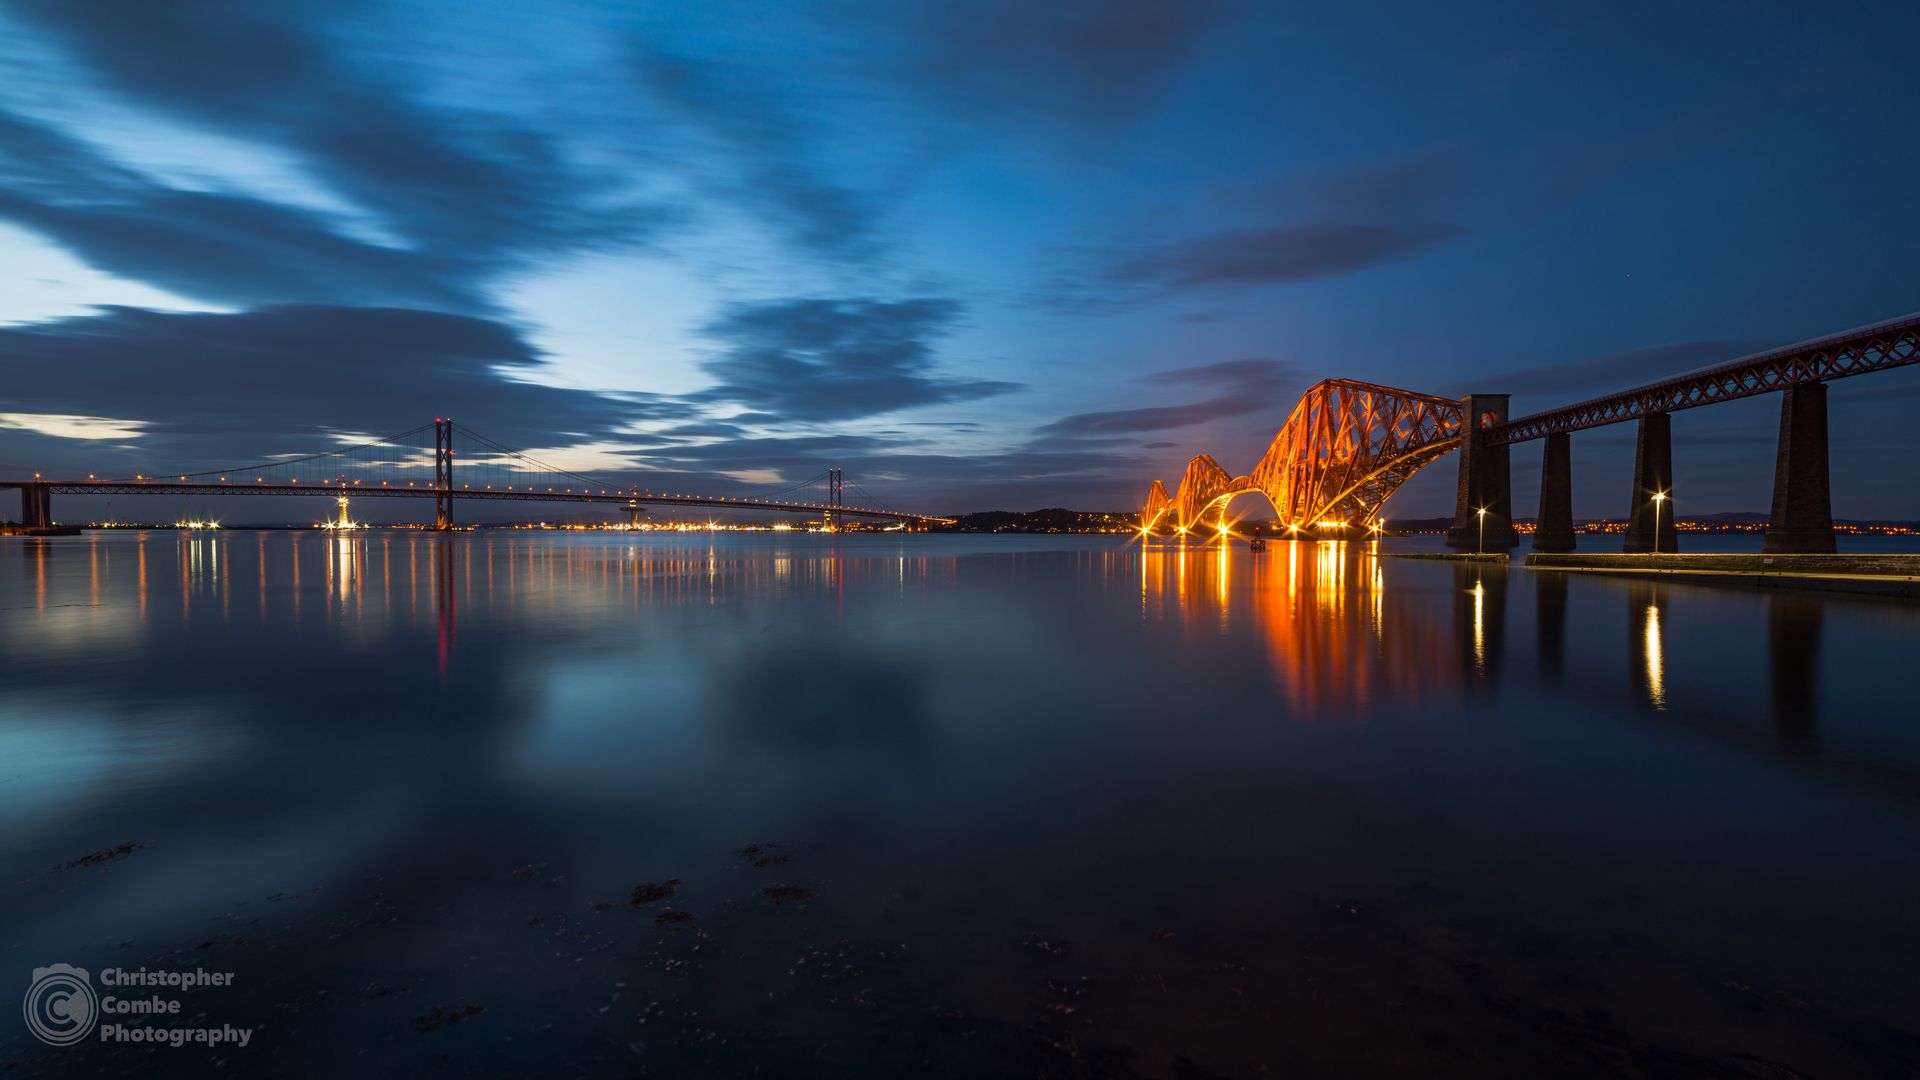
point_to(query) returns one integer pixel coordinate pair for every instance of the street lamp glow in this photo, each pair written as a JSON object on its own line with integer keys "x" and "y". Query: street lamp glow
{"x": 1482, "y": 514}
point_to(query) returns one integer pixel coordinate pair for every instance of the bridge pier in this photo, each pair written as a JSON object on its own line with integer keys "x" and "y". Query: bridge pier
{"x": 1650, "y": 526}
{"x": 36, "y": 506}
{"x": 1483, "y": 500}
{"x": 1802, "y": 521}
{"x": 1553, "y": 531}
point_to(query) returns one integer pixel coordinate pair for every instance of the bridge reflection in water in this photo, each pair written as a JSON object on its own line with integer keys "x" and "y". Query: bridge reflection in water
{"x": 1337, "y": 635}
{"x": 1336, "y": 638}
{"x": 1340, "y": 640}
{"x": 1335, "y": 632}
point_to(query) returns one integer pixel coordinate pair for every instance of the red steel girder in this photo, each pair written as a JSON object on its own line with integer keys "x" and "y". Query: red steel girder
{"x": 1346, "y": 447}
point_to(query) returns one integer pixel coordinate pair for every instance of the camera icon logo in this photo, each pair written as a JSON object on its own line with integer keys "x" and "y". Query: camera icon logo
{"x": 61, "y": 1007}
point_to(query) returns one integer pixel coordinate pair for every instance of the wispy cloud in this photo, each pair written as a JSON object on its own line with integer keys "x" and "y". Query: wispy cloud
{"x": 1243, "y": 387}
{"x": 465, "y": 193}
{"x": 69, "y": 426}
{"x": 1276, "y": 256}
{"x": 835, "y": 359}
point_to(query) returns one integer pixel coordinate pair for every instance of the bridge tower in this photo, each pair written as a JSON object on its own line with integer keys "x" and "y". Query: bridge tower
{"x": 442, "y": 474}
{"x": 1483, "y": 499}
{"x": 834, "y": 481}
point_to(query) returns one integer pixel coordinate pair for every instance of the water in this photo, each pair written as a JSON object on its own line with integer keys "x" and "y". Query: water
{"x": 1033, "y": 806}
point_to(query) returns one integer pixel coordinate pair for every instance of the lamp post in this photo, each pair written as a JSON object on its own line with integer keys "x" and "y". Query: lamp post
{"x": 1658, "y": 498}
{"x": 1482, "y": 514}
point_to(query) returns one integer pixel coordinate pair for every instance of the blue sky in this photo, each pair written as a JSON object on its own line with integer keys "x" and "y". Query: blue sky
{"x": 982, "y": 254}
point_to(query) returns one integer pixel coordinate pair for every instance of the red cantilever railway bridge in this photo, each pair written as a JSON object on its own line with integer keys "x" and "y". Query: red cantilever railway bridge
{"x": 1349, "y": 445}
{"x": 409, "y": 466}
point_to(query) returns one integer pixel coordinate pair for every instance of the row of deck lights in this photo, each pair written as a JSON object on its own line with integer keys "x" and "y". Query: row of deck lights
{"x": 143, "y": 478}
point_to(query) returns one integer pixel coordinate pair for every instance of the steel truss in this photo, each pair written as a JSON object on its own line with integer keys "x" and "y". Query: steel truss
{"x": 1346, "y": 447}
{"x": 1856, "y": 352}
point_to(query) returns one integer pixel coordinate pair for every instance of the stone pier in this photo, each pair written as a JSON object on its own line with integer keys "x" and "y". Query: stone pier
{"x": 1802, "y": 522}
{"x": 36, "y": 506}
{"x": 1554, "y": 529}
{"x": 1650, "y": 525}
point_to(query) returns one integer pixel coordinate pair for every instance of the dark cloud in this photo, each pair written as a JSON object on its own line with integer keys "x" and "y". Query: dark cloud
{"x": 275, "y": 380}
{"x": 466, "y": 193}
{"x": 1290, "y": 228}
{"x": 1257, "y": 377}
{"x": 1566, "y": 381}
{"x": 828, "y": 359}
{"x": 1430, "y": 186}
{"x": 1075, "y": 67}
{"x": 1244, "y": 386}
{"x": 217, "y": 390}
{"x": 753, "y": 120}
{"x": 228, "y": 389}
{"x": 1154, "y": 418}
{"x": 1284, "y": 255}
{"x": 1079, "y": 61}
{"x": 225, "y": 248}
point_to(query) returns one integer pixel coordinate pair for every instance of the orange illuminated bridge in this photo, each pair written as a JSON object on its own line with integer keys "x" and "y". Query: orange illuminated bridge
{"x": 1347, "y": 446}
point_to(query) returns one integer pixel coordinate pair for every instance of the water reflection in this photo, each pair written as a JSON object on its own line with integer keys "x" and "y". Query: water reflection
{"x": 1550, "y": 620}
{"x": 1338, "y": 629}
{"x": 1336, "y": 639}
{"x": 1793, "y": 661}
{"x": 1480, "y": 613}
{"x": 446, "y": 599}
{"x": 1646, "y": 644}
{"x": 970, "y": 743}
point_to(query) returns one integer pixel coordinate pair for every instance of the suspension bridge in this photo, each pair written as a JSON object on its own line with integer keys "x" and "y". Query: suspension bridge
{"x": 422, "y": 464}
{"x": 1349, "y": 445}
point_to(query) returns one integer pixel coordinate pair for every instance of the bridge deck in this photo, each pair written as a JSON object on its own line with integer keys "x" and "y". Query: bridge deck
{"x": 608, "y": 497}
{"x": 1854, "y": 352}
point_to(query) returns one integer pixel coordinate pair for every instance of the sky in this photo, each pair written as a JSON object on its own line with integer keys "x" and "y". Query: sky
{"x": 981, "y": 254}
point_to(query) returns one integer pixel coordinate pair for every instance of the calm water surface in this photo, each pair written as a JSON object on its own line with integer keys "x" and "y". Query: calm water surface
{"x": 954, "y": 806}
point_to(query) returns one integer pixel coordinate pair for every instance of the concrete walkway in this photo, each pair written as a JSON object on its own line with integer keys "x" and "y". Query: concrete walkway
{"x": 1870, "y": 575}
